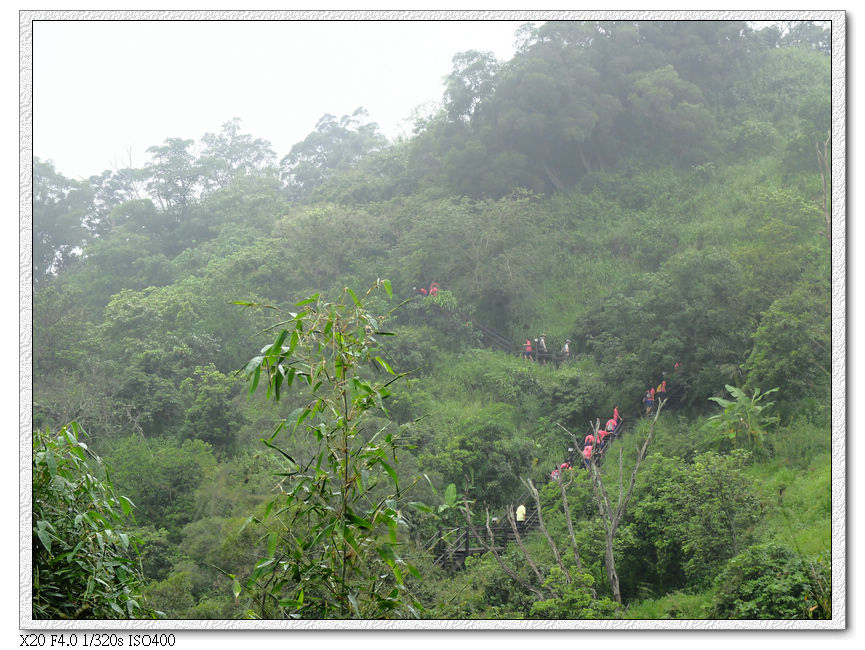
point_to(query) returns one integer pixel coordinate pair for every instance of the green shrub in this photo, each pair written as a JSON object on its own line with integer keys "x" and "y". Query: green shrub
{"x": 675, "y": 605}
{"x": 688, "y": 518}
{"x": 768, "y": 581}
{"x": 574, "y": 598}
{"x": 82, "y": 559}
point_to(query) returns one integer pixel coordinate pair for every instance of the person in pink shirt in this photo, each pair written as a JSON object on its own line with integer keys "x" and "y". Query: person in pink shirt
{"x": 601, "y": 437}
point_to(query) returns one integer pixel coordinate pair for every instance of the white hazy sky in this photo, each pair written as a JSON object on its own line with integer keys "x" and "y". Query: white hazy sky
{"x": 105, "y": 90}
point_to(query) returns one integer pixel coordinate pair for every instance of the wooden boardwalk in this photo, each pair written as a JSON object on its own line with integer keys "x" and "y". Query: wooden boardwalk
{"x": 452, "y": 547}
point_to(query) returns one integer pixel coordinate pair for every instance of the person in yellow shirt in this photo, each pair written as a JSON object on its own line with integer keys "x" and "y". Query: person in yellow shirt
{"x": 661, "y": 391}
{"x": 521, "y": 518}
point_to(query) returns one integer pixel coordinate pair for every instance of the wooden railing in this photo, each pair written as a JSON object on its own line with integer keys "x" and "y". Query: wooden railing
{"x": 465, "y": 541}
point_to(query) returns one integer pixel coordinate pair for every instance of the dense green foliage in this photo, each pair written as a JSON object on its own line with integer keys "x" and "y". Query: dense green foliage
{"x": 650, "y": 192}
{"x": 84, "y": 563}
{"x": 770, "y": 581}
{"x": 332, "y": 549}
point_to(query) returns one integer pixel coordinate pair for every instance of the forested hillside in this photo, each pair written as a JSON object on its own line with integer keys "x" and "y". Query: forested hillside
{"x": 307, "y": 376}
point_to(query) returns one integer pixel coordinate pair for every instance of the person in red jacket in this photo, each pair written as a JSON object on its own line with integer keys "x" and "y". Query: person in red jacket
{"x": 589, "y": 440}
{"x": 434, "y": 289}
{"x": 587, "y": 455}
{"x": 527, "y": 349}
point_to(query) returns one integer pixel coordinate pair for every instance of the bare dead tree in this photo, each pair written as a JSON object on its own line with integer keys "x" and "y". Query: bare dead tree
{"x": 518, "y": 539}
{"x": 570, "y": 523}
{"x": 612, "y": 516}
{"x": 490, "y": 549}
{"x": 543, "y": 528}
{"x": 567, "y": 509}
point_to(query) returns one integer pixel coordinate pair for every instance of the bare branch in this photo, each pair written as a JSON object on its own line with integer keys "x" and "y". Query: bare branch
{"x": 489, "y": 531}
{"x": 573, "y": 437}
{"x": 498, "y": 559}
{"x": 543, "y": 528}
{"x": 567, "y": 510}
{"x": 519, "y": 542}
{"x": 595, "y": 472}
{"x": 621, "y": 510}
{"x": 612, "y": 518}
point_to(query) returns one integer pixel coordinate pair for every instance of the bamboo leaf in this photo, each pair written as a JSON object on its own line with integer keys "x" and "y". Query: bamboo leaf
{"x": 385, "y": 365}
{"x": 256, "y": 375}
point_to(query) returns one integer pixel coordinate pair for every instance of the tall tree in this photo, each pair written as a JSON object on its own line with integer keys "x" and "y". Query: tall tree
{"x": 60, "y": 206}
{"x": 335, "y": 146}
{"x": 110, "y": 190}
{"x": 229, "y": 154}
{"x": 547, "y": 106}
{"x": 470, "y": 84}
{"x": 175, "y": 176}
{"x": 671, "y": 117}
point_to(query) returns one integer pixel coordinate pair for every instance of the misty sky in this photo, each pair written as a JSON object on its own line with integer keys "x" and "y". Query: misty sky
{"x": 105, "y": 90}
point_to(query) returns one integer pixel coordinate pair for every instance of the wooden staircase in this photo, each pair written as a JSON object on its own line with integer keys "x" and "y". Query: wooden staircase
{"x": 451, "y": 548}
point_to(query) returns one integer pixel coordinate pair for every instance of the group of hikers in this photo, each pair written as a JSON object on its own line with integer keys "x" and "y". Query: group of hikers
{"x": 536, "y": 350}
{"x": 594, "y": 444}
{"x": 423, "y": 291}
{"x": 654, "y": 396}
